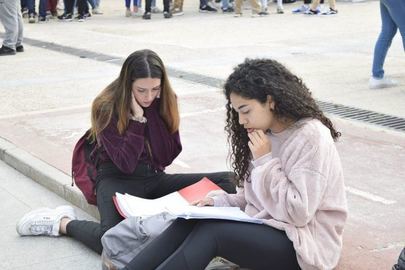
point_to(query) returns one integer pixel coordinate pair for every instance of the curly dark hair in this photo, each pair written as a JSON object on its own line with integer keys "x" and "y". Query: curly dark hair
{"x": 257, "y": 79}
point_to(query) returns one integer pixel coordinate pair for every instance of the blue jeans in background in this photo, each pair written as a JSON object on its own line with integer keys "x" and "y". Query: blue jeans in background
{"x": 31, "y": 6}
{"x": 392, "y": 18}
{"x": 92, "y": 3}
{"x": 136, "y": 3}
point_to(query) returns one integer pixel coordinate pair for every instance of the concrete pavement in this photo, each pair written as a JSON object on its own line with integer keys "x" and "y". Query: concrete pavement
{"x": 46, "y": 92}
{"x": 19, "y": 195}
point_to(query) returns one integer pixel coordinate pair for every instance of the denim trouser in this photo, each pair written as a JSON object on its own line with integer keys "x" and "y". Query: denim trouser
{"x": 10, "y": 17}
{"x": 137, "y": 3}
{"x": 392, "y": 18}
{"x": 42, "y": 7}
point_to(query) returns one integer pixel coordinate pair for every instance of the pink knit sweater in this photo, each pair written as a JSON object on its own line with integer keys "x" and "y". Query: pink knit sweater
{"x": 299, "y": 188}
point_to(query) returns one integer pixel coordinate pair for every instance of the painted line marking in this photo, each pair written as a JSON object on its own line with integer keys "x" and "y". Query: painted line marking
{"x": 369, "y": 196}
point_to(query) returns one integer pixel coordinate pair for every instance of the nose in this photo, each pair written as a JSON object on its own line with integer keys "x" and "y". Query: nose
{"x": 242, "y": 119}
{"x": 149, "y": 96}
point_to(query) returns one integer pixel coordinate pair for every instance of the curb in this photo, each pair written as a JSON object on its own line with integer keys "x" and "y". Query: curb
{"x": 44, "y": 174}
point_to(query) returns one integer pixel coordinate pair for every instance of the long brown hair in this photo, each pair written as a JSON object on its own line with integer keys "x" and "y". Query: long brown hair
{"x": 257, "y": 79}
{"x": 115, "y": 99}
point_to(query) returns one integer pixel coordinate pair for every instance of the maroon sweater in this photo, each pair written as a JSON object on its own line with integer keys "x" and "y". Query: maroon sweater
{"x": 130, "y": 148}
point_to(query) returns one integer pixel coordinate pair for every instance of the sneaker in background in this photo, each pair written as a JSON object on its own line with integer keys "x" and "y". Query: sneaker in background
{"x": 6, "y": 51}
{"x": 66, "y": 17}
{"x": 228, "y": 10}
{"x": 127, "y": 12}
{"x": 312, "y": 12}
{"x": 167, "y": 15}
{"x": 24, "y": 12}
{"x": 44, "y": 221}
{"x": 31, "y": 18}
{"x": 301, "y": 9}
{"x": 207, "y": 9}
{"x": 147, "y": 16}
{"x": 331, "y": 11}
{"x": 97, "y": 11}
{"x": 280, "y": 10}
{"x": 42, "y": 19}
{"x": 156, "y": 10}
{"x": 237, "y": 15}
{"x": 375, "y": 83}
{"x": 81, "y": 18}
{"x": 177, "y": 12}
{"x": 19, "y": 48}
{"x": 401, "y": 261}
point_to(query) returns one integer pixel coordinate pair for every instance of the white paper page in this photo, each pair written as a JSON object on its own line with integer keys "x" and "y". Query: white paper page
{"x": 228, "y": 213}
{"x": 135, "y": 206}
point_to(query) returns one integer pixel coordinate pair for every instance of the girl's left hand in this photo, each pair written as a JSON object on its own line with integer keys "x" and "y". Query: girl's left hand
{"x": 207, "y": 201}
{"x": 259, "y": 144}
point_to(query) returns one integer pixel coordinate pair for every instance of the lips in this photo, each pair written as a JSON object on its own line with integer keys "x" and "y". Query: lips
{"x": 250, "y": 130}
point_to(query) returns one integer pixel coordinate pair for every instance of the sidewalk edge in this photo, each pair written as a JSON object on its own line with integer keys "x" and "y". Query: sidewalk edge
{"x": 44, "y": 174}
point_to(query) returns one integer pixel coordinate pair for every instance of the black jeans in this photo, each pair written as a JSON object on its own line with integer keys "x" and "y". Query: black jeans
{"x": 192, "y": 244}
{"x": 148, "y": 5}
{"x": 82, "y": 6}
{"x": 145, "y": 183}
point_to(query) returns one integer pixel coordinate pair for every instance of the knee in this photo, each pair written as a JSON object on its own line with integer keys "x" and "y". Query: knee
{"x": 226, "y": 181}
{"x": 388, "y": 33}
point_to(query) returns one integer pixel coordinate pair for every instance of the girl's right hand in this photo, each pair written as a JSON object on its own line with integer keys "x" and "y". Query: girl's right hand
{"x": 136, "y": 109}
{"x": 207, "y": 201}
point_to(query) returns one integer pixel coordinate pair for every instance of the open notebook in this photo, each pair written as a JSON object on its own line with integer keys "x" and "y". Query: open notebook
{"x": 178, "y": 204}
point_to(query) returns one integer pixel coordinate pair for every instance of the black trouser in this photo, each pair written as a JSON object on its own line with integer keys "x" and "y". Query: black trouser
{"x": 82, "y": 6}
{"x": 166, "y": 5}
{"x": 308, "y": 2}
{"x": 192, "y": 244}
{"x": 145, "y": 183}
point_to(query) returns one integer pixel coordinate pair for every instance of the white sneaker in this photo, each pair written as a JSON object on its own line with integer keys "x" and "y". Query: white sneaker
{"x": 97, "y": 11}
{"x": 44, "y": 221}
{"x": 375, "y": 83}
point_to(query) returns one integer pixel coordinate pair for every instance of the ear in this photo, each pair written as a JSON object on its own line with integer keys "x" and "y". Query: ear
{"x": 271, "y": 102}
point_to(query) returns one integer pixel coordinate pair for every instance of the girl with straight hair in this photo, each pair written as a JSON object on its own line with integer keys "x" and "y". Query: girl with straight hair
{"x": 135, "y": 122}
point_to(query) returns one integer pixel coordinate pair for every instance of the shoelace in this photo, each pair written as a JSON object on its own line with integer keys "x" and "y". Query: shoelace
{"x": 42, "y": 227}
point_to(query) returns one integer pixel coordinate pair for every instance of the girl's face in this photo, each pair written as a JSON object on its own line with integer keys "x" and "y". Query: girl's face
{"x": 145, "y": 90}
{"x": 254, "y": 115}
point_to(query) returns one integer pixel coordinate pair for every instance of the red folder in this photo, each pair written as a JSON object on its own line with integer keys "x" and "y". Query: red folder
{"x": 199, "y": 190}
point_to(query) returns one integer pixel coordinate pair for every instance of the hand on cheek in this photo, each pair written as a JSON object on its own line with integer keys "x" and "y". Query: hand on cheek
{"x": 136, "y": 109}
{"x": 259, "y": 144}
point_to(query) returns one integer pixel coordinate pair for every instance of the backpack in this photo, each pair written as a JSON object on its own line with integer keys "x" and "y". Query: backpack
{"x": 401, "y": 261}
{"x": 125, "y": 240}
{"x": 84, "y": 169}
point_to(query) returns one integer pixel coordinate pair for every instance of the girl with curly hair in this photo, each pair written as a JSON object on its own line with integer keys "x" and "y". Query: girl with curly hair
{"x": 289, "y": 174}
